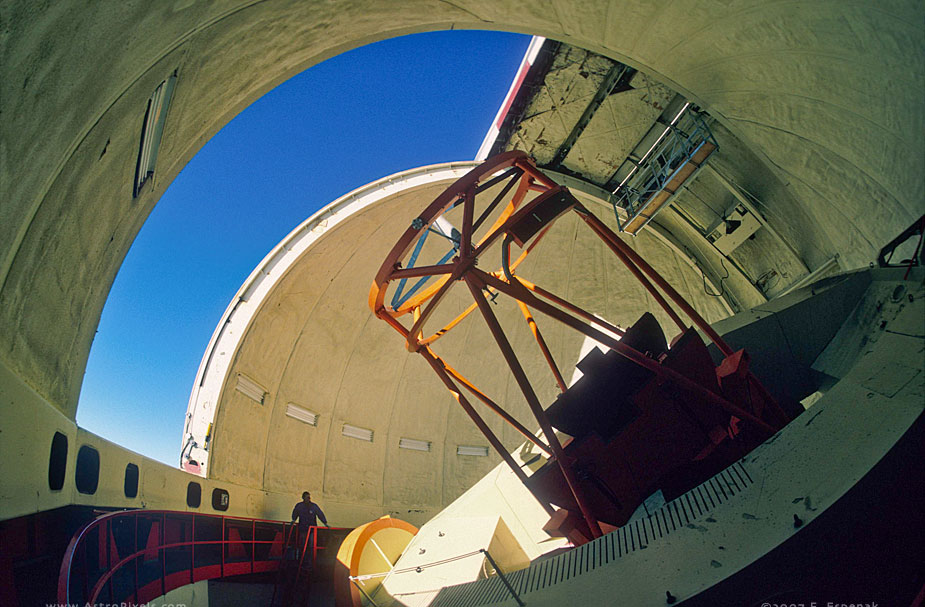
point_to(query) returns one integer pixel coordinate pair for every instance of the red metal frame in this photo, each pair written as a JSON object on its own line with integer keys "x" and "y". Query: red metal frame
{"x": 526, "y": 222}
{"x": 95, "y": 581}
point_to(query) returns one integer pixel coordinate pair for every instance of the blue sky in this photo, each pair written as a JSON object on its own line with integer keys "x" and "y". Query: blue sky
{"x": 365, "y": 114}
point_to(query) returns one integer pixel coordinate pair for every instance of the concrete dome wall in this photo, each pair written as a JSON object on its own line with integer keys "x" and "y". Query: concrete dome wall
{"x": 827, "y": 93}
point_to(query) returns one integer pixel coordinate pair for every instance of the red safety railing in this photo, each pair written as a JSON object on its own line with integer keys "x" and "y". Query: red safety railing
{"x": 134, "y": 556}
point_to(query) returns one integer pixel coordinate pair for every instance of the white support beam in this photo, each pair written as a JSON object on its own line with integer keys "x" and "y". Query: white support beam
{"x": 668, "y": 239}
{"x": 820, "y": 272}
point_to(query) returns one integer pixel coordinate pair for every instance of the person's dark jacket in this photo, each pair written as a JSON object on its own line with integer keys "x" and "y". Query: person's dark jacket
{"x": 308, "y": 515}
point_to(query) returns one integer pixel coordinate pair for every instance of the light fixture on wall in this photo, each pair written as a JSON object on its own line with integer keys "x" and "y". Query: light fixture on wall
{"x": 357, "y": 433}
{"x": 152, "y": 130}
{"x": 414, "y": 444}
{"x": 472, "y": 450}
{"x": 303, "y": 415}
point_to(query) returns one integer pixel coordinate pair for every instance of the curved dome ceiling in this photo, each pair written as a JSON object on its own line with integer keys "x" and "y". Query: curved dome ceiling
{"x": 827, "y": 94}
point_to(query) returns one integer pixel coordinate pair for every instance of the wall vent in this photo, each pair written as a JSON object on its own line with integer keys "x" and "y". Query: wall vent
{"x": 357, "y": 433}
{"x": 472, "y": 450}
{"x": 414, "y": 444}
{"x": 303, "y": 415}
{"x": 250, "y": 389}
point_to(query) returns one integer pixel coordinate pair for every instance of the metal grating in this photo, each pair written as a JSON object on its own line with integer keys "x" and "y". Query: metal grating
{"x": 678, "y": 513}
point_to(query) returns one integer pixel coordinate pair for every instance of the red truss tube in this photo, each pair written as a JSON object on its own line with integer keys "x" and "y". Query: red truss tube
{"x": 620, "y": 253}
{"x": 531, "y": 322}
{"x": 437, "y": 366}
{"x": 493, "y": 406}
{"x": 521, "y": 377}
{"x": 637, "y": 357}
{"x": 627, "y": 253}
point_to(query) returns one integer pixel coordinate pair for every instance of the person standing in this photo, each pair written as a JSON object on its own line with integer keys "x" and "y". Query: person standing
{"x": 307, "y": 512}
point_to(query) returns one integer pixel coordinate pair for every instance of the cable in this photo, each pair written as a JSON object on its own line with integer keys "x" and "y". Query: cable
{"x": 506, "y": 259}
{"x": 722, "y": 287}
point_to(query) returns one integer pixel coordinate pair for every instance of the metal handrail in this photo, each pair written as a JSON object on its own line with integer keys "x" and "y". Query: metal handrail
{"x": 98, "y": 587}
{"x": 76, "y": 552}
